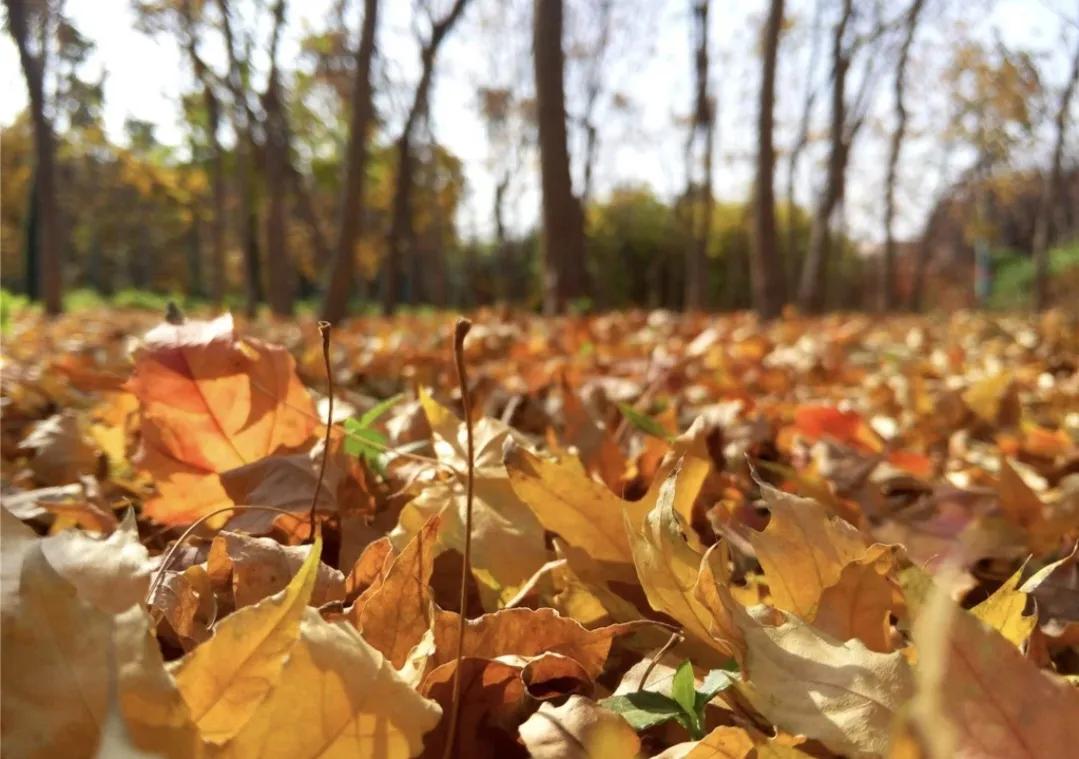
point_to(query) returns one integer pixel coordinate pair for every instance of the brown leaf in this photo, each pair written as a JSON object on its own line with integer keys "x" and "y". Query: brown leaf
{"x": 62, "y": 449}
{"x": 578, "y": 729}
{"x": 254, "y": 568}
{"x": 394, "y": 614}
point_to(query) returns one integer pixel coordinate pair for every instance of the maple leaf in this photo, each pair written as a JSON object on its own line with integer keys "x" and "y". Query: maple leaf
{"x": 210, "y": 402}
{"x": 224, "y": 680}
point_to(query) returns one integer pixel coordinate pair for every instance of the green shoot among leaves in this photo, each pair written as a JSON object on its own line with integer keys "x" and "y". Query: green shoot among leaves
{"x": 363, "y": 440}
{"x": 685, "y": 705}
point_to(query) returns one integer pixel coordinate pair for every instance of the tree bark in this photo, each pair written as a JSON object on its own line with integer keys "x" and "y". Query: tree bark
{"x": 399, "y": 243}
{"x": 351, "y": 210}
{"x": 218, "y": 280}
{"x": 887, "y": 269}
{"x": 811, "y": 290}
{"x": 563, "y": 223}
{"x": 281, "y": 274}
{"x": 1046, "y": 223}
{"x": 245, "y": 148}
{"x": 701, "y": 130}
{"x": 793, "y": 254}
{"x": 766, "y": 266}
{"x": 48, "y": 242}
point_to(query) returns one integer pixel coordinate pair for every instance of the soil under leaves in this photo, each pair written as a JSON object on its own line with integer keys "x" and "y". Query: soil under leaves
{"x": 692, "y": 537}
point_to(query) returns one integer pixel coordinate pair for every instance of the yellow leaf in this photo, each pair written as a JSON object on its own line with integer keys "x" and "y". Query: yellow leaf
{"x": 225, "y": 678}
{"x": 858, "y": 605}
{"x": 569, "y": 502}
{"x": 723, "y": 742}
{"x": 1003, "y": 611}
{"x": 803, "y": 550}
{"x": 669, "y": 568}
{"x": 337, "y": 697}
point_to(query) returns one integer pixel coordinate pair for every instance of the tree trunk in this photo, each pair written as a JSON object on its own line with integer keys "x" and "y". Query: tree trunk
{"x": 218, "y": 283}
{"x": 1051, "y": 195}
{"x": 563, "y": 223}
{"x": 811, "y": 290}
{"x": 48, "y": 242}
{"x": 702, "y": 130}
{"x": 766, "y": 266}
{"x": 887, "y": 269}
{"x": 351, "y": 210}
{"x": 281, "y": 274}
{"x": 793, "y": 252}
{"x": 245, "y": 149}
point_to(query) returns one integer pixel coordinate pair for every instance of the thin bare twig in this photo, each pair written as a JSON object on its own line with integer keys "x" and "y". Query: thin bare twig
{"x": 324, "y": 330}
{"x": 459, "y": 332}
{"x": 676, "y": 638}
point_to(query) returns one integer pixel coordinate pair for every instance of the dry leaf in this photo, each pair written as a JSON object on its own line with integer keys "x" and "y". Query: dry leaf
{"x": 394, "y": 614}
{"x": 62, "y": 449}
{"x": 224, "y": 680}
{"x": 337, "y": 696}
{"x": 578, "y": 729}
{"x": 803, "y": 550}
{"x": 980, "y": 697}
{"x": 254, "y": 568}
{"x": 211, "y": 402}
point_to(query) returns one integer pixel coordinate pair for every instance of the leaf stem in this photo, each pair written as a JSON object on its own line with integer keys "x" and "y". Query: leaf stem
{"x": 460, "y": 331}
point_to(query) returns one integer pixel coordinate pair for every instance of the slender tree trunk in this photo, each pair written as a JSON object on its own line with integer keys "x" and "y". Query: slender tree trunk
{"x": 218, "y": 283}
{"x": 793, "y": 252}
{"x": 811, "y": 287}
{"x": 343, "y": 267}
{"x": 400, "y": 241}
{"x": 281, "y": 274}
{"x": 1052, "y": 193}
{"x": 245, "y": 169}
{"x": 563, "y": 223}
{"x": 769, "y": 284}
{"x": 887, "y": 269}
{"x": 48, "y": 226}
{"x": 702, "y": 130}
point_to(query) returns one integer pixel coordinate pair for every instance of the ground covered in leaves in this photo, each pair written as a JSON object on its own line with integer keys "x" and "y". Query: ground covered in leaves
{"x": 693, "y": 537}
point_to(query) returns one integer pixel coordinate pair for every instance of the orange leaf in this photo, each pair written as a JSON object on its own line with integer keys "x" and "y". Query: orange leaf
{"x": 211, "y": 402}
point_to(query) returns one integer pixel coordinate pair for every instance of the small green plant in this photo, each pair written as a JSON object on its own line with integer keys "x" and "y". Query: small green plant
{"x": 644, "y": 708}
{"x": 644, "y": 423}
{"x": 363, "y": 440}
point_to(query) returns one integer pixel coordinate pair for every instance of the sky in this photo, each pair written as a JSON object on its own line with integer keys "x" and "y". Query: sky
{"x": 648, "y": 63}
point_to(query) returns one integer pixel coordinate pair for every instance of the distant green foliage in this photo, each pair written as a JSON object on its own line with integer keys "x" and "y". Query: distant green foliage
{"x": 1013, "y": 274}
{"x": 11, "y": 305}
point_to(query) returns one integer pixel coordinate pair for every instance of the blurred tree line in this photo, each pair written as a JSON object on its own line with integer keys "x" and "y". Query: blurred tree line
{"x": 291, "y": 185}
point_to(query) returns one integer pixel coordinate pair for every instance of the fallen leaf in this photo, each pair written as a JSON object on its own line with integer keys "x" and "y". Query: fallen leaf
{"x": 860, "y": 603}
{"x": 394, "y": 614}
{"x": 803, "y": 550}
{"x": 979, "y": 696}
{"x": 669, "y": 569}
{"x": 492, "y": 704}
{"x": 211, "y": 402}
{"x": 336, "y": 696}
{"x": 62, "y": 449}
{"x": 805, "y": 682}
{"x": 112, "y": 573}
{"x": 224, "y": 680}
{"x": 524, "y": 633}
{"x": 1003, "y": 611}
{"x": 578, "y": 729}
{"x": 254, "y": 568}
{"x": 569, "y": 502}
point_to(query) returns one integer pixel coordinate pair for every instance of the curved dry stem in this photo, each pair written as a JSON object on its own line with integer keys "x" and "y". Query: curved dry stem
{"x": 324, "y": 330}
